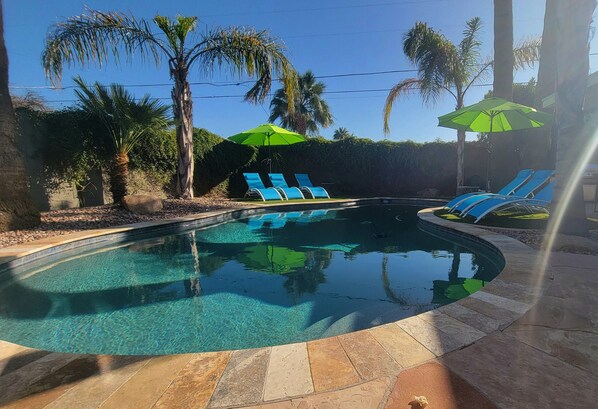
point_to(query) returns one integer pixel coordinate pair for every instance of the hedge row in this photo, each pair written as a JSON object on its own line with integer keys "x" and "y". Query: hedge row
{"x": 353, "y": 167}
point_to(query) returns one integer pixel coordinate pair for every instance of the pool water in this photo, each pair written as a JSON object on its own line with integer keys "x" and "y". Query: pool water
{"x": 267, "y": 280}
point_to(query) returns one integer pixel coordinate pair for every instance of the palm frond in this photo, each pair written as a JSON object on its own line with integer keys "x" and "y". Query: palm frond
{"x": 94, "y": 37}
{"x": 126, "y": 120}
{"x": 435, "y": 58}
{"x": 407, "y": 86}
{"x": 176, "y": 31}
{"x": 246, "y": 52}
{"x": 309, "y": 107}
{"x": 527, "y": 53}
{"x": 469, "y": 48}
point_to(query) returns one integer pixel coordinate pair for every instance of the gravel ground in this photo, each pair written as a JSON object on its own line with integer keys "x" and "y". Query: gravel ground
{"x": 565, "y": 243}
{"x": 58, "y": 222}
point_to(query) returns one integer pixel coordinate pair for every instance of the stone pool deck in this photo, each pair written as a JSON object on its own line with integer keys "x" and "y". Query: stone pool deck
{"x": 528, "y": 339}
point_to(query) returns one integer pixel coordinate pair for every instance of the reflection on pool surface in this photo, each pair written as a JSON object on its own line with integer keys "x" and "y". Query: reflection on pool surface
{"x": 266, "y": 280}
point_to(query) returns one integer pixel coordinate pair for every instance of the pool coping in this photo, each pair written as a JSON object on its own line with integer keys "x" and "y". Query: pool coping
{"x": 301, "y": 369}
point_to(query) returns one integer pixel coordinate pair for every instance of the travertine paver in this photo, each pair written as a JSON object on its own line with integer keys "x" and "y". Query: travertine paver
{"x": 515, "y": 375}
{"x": 330, "y": 365}
{"x": 501, "y": 302}
{"x": 403, "y": 348}
{"x": 429, "y": 336}
{"x": 49, "y": 388}
{"x": 442, "y": 389}
{"x": 15, "y": 384}
{"x": 144, "y": 388}
{"x": 195, "y": 383}
{"x": 14, "y": 361}
{"x": 472, "y": 318}
{"x": 368, "y": 395}
{"x": 526, "y": 294}
{"x": 458, "y": 330}
{"x": 367, "y": 355}
{"x": 8, "y": 349}
{"x": 564, "y": 323}
{"x": 502, "y": 316}
{"x": 91, "y": 392}
{"x": 288, "y": 372}
{"x": 243, "y": 379}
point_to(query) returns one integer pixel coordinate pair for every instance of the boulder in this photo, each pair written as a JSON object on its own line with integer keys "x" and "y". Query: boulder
{"x": 429, "y": 192}
{"x": 142, "y": 204}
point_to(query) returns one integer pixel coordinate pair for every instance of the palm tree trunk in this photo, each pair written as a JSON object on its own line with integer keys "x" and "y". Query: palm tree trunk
{"x": 547, "y": 73}
{"x": 503, "y": 49}
{"x": 16, "y": 209}
{"x": 574, "y": 19}
{"x": 183, "y": 117}
{"x": 460, "y": 160}
{"x": 118, "y": 176}
{"x": 547, "y": 67}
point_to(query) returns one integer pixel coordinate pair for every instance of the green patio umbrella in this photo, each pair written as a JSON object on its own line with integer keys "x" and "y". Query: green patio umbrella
{"x": 267, "y": 135}
{"x": 494, "y": 115}
{"x": 272, "y": 259}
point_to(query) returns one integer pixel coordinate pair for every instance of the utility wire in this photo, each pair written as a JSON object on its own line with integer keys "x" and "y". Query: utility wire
{"x": 228, "y": 83}
{"x": 217, "y": 83}
{"x": 351, "y": 91}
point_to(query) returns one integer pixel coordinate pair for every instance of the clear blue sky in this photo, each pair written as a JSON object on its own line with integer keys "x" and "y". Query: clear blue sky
{"x": 326, "y": 36}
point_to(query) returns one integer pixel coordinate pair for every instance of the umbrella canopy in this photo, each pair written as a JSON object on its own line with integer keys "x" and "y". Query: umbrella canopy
{"x": 272, "y": 259}
{"x": 494, "y": 115}
{"x": 267, "y": 135}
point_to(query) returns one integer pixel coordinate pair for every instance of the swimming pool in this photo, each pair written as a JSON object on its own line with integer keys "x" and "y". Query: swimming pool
{"x": 270, "y": 279}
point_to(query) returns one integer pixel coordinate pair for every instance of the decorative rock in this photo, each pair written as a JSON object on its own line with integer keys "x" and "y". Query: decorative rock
{"x": 142, "y": 204}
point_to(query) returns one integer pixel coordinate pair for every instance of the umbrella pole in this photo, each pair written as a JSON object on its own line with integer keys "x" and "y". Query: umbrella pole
{"x": 489, "y": 165}
{"x": 269, "y": 153}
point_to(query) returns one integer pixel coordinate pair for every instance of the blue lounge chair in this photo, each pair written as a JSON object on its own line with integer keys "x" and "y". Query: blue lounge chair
{"x": 257, "y": 188}
{"x": 285, "y": 190}
{"x": 273, "y": 220}
{"x": 509, "y": 188}
{"x": 539, "y": 178}
{"x": 540, "y": 200}
{"x": 305, "y": 185}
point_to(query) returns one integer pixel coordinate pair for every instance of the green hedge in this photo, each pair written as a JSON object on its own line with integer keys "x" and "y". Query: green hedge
{"x": 354, "y": 166}
{"x": 361, "y": 167}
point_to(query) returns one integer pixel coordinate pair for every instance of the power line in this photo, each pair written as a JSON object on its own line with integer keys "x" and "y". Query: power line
{"x": 218, "y": 83}
{"x": 351, "y": 91}
{"x": 229, "y": 83}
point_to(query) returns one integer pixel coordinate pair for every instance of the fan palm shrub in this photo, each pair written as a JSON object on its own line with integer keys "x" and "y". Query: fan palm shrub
{"x": 125, "y": 120}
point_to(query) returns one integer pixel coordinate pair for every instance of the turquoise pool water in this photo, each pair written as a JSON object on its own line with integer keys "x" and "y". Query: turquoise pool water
{"x": 266, "y": 280}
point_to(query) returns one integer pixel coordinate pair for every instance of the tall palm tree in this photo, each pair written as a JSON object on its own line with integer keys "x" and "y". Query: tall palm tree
{"x": 304, "y": 113}
{"x": 547, "y": 72}
{"x": 503, "y": 49}
{"x": 342, "y": 133}
{"x": 16, "y": 209}
{"x": 574, "y": 139}
{"x": 445, "y": 67}
{"x": 547, "y": 64}
{"x": 96, "y": 36}
{"x": 126, "y": 121}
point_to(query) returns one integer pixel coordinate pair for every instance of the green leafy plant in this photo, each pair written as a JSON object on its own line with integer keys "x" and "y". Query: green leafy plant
{"x": 125, "y": 121}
